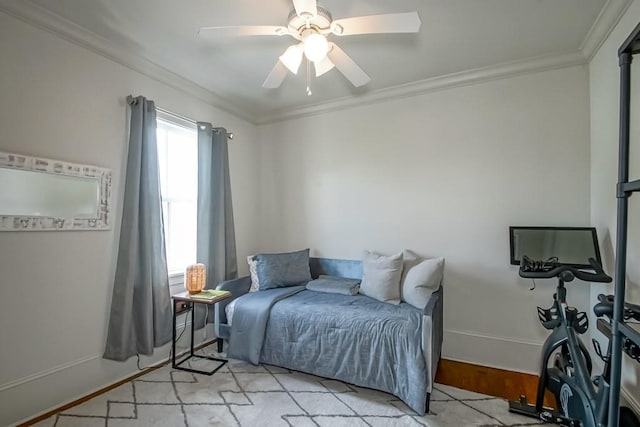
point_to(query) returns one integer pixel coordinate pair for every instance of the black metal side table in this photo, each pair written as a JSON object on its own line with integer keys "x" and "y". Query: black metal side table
{"x": 185, "y": 302}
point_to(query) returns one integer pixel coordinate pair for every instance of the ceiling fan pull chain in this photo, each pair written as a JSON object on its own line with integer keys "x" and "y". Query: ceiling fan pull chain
{"x": 309, "y": 93}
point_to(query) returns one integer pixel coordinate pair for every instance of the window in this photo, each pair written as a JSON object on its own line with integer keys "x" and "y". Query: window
{"x": 178, "y": 160}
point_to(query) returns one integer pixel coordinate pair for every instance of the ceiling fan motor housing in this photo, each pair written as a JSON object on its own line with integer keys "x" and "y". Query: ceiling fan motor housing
{"x": 321, "y": 21}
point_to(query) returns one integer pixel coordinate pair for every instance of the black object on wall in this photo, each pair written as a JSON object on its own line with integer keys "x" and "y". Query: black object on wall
{"x": 572, "y": 246}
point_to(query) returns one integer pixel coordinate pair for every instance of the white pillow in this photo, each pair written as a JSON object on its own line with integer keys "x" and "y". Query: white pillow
{"x": 381, "y": 277}
{"x": 420, "y": 278}
{"x": 253, "y": 271}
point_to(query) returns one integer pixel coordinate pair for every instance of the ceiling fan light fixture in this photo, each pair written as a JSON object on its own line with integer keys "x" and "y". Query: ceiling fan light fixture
{"x": 316, "y": 47}
{"x": 310, "y": 24}
{"x": 323, "y": 66}
{"x": 292, "y": 57}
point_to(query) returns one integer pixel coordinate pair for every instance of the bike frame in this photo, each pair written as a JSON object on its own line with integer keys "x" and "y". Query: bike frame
{"x": 594, "y": 402}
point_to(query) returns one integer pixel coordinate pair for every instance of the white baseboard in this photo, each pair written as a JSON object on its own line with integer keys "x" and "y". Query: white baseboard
{"x": 630, "y": 400}
{"x": 180, "y": 326}
{"x": 510, "y": 354}
{"x": 495, "y": 352}
{"x": 102, "y": 387}
{"x": 28, "y": 397}
{"x": 24, "y": 399}
{"x": 46, "y": 372}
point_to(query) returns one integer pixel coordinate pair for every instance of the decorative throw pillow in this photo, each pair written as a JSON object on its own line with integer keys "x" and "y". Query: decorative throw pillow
{"x": 381, "y": 277}
{"x": 420, "y": 278}
{"x": 334, "y": 285}
{"x": 284, "y": 269}
{"x": 253, "y": 271}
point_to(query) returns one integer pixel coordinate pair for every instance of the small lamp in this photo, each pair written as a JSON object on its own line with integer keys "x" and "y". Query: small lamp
{"x": 195, "y": 278}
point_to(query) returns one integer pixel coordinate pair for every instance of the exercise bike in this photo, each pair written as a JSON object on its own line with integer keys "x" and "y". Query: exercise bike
{"x": 583, "y": 401}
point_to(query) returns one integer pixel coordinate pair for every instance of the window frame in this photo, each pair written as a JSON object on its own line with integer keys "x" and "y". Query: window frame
{"x": 176, "y": 279}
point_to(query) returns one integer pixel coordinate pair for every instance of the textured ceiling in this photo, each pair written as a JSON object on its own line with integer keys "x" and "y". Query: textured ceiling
{"x": 456, "y": 36}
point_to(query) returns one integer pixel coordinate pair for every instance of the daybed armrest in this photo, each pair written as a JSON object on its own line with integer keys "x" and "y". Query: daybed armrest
{"x": 237, "y": 287}
{"x": 433, "y": 302}
{"x": 432, "y": 330}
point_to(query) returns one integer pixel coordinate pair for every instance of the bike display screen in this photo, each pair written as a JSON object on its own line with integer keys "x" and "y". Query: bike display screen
{"x": 571, "y": 245}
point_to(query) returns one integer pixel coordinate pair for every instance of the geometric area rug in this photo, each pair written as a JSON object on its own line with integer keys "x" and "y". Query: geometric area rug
{"x": 244, "y": 395}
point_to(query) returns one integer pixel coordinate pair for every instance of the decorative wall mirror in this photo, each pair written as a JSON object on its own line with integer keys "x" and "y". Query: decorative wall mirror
{"x": 45, "y": 194}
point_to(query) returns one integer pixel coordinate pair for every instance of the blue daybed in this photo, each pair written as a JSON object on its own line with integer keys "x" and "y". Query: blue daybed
{"x": 352, "y": 338}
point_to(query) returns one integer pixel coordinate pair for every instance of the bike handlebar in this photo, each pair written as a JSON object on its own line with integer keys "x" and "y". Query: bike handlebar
{"x": 605, "y": 308}
{"x": 562, "y": 270}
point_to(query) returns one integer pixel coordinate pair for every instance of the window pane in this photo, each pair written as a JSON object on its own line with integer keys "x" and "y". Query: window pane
{"x": 181, "y": 250}
{"x": 178, "y": 162}
{"x": 183, "y": 165}
{"x": 161, "y": 134}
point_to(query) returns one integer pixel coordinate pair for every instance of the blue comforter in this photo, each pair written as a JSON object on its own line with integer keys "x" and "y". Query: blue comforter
{"x": 355, "y": 339}
{"x": 248, "y": 330}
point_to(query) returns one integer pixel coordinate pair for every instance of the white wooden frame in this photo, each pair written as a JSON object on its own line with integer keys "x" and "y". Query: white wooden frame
{"x": 57, "y": 167}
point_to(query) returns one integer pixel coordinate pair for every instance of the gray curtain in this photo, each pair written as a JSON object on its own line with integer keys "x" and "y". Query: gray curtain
{"x": 141, "y": 316}
{"x": 216, "y": 246}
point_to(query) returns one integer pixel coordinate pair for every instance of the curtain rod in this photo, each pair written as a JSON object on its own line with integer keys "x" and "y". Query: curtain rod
{"x": 187, "y": 119}
{"x": 132, "y": 101}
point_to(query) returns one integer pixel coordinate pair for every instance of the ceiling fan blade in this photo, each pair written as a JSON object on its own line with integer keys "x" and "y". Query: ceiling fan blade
{"x": 305, "y": 7}
{"x": 323, "y": 66}
{"x": 243, "y": 30}
{"x": 292, "y": 57}
{"x": 377, "y": 24}
{"x": 276, "y": 76}
{"x": 347, "y": 66}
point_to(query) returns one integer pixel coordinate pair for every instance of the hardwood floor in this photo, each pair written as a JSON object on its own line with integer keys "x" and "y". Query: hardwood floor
{"x": 492, "y": 381}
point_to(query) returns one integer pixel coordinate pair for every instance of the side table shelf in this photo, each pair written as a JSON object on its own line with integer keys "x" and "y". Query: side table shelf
{"x": 184, "y": 302}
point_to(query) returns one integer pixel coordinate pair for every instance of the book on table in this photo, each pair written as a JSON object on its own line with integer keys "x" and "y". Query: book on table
{"x": 209, "y": 294}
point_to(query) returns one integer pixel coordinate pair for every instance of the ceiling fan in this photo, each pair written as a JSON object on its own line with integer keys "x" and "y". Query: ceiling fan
{"x": 311, "y": 24}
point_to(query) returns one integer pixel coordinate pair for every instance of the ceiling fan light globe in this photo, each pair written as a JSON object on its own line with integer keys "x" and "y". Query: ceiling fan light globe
{"x": 315, "y": 47}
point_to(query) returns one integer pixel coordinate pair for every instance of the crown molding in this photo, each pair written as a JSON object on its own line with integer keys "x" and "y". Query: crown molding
{"x": 607, "y": 19}
{"x": 449, "y": 81}
{"x": 605, "y": 22}
{"x": 39, "y": 17}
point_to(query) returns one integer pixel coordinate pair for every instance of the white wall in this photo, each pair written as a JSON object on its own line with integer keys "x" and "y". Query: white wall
{"x": 605, "y": 94}
{"x": 443, "y": 174}
{"x": 60, "y": 101}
